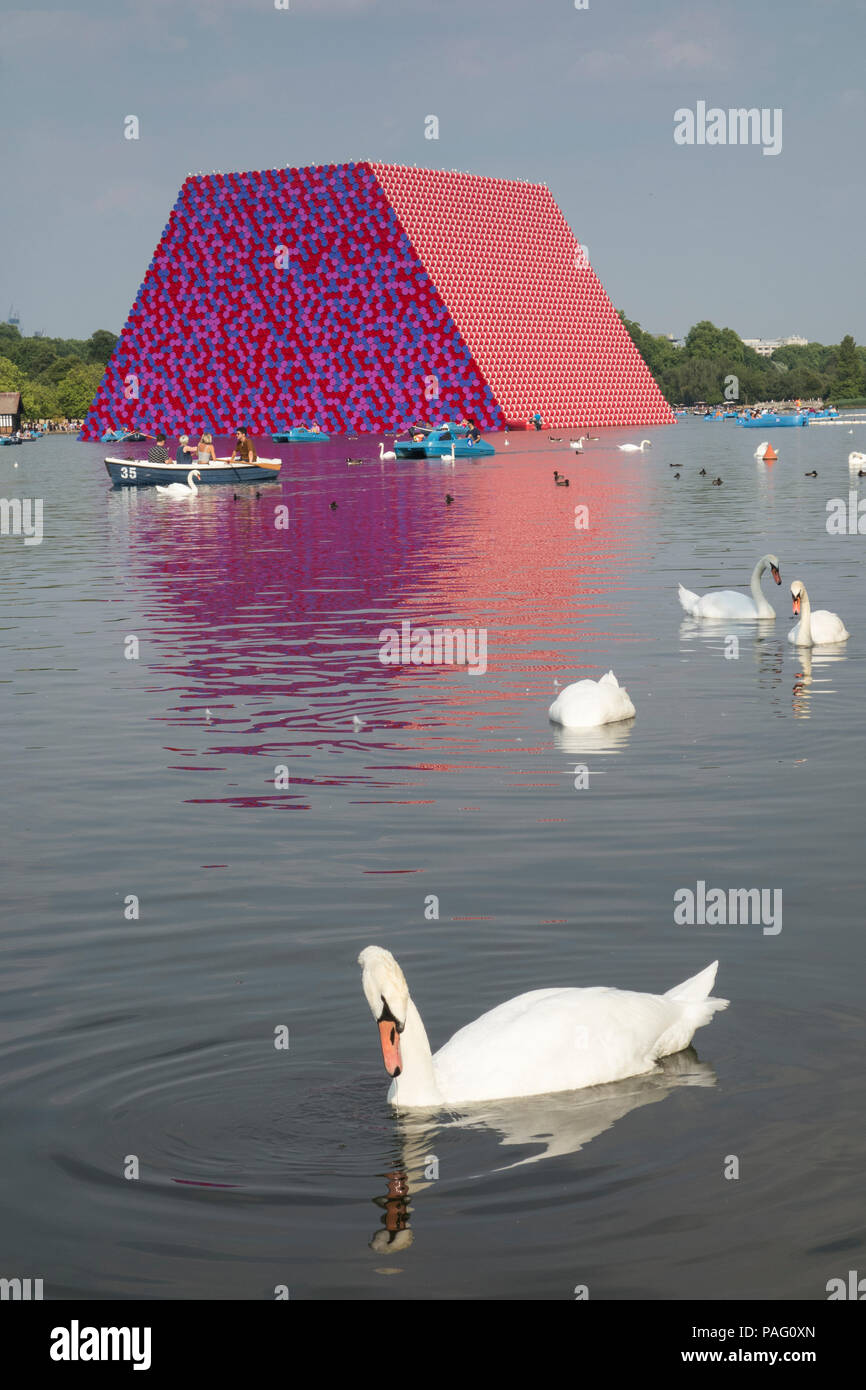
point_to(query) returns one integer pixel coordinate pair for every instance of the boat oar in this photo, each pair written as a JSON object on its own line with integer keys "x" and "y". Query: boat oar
{"x": 231, "y": 466}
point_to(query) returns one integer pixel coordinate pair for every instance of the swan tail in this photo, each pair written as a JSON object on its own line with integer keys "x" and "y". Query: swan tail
{"x": 695, "y": 994}
{"x": 687, "y": 599}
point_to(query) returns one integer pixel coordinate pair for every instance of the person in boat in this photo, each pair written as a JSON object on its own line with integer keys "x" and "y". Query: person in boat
{"x": 205, "y": 451}
{"x": 315, "y": 428}
{"x": 472, "y": 428}
{"x": 185, "y": 451}
{"x": 244, "y": 449}
{"x": 159, "y": 453}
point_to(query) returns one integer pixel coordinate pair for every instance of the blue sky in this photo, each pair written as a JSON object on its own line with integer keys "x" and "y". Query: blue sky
{"x": 582, "y": 100}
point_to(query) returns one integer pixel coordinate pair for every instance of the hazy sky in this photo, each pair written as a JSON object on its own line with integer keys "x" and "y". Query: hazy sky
{"x": 582, "y": 100}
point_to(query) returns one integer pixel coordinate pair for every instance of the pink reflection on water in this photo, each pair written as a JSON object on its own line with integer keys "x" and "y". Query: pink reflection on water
{"x": 277, "y": 631}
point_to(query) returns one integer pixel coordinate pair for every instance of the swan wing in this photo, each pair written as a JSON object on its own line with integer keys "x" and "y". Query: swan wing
{"x": 688, "y": 600}
{"x": 562, "y": 1039}
{"x": 586, "y": 704}
{"x": 828, "y": 628}
{"x": 726, "y": 603}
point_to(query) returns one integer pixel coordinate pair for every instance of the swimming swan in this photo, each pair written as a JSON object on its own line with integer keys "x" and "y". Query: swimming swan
{"x": 817, "y": 629}
{"x": 587, "y": 704}
{"x": 762, "y": 449}
{"x": 545, "y": 1041}
{"x": 635, "y": 448}
{"x": 187, "y": 489}
{"x": 730, "y": 603}
{"x": 856, "y": 460}
{"x": 385, "y": 454}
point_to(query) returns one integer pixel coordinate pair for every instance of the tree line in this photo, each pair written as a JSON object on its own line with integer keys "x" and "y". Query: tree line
{"x": 701, "y": 369}
{"x": 57, "y": 377}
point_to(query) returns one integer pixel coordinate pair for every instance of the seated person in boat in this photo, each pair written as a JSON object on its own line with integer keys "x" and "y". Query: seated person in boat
{"x": 159, "y": 453}
{"x": 185, "y": 451}
{"x": 474, "y": 432}
{"x": 205, "y": 451}
{"x": 314, "y": 428}
{"x": 244, "y": 449}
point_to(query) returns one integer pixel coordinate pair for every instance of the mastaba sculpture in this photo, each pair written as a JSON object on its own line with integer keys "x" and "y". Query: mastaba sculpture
{"x": 364, "y": 297}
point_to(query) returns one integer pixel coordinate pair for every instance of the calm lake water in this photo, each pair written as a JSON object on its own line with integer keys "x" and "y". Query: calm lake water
{"x": 153, "y": 1039}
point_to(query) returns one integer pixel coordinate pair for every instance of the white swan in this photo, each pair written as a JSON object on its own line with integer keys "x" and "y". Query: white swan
{"x": 730, "y": 603}
{"x": 448, "y": 458}
{"x": 385, "y": 454}
{"x": 545, "y": 1041}
{"x": 762, "y": 449}
{"x": 818, "y": 629}
{"x": 856, "y": 460}
{"x": 577, "y": 444}
{"x": 635, "y": 448}
{"x": 187, "y": 489}
{"x": 587, "y": 704}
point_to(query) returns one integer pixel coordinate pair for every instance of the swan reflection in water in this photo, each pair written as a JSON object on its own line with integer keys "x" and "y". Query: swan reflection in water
{"x": 809, "y": 661}
{"x": 715, "y": 631}
{"x": 607, "y": 738}
{"x": 555, "y": 1125}
{"x": 766, "y": 646}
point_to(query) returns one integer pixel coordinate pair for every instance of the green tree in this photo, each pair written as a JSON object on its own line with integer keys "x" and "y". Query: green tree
{"x": 35, "y": 355}
{"x": 100, "y": 346}
{"x": 76, "y": 391}
{"x": 58, "y": 369}
{"x": 848, "y": 371}
{"x": 40, "y": 402}
{"x": 10, "y": 340}
{"x": 11, "y": 376}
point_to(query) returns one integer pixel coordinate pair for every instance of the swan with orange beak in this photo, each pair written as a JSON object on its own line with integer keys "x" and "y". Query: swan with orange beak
{"x": 819, "y": 629}
{"x": 545, "y": 1041}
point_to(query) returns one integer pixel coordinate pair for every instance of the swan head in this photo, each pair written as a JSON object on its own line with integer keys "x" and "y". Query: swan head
{"x": 771, "y": 562}
{"x": 798, "y": 593}
{"x": 646, "y": 444}
{"x": 387, "y": 993}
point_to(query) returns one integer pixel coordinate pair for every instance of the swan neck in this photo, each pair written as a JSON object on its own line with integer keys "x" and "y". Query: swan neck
{"x": 761, "y": 603}
{"x": 805, "y": 615}
{"x": 417, "y": 1083}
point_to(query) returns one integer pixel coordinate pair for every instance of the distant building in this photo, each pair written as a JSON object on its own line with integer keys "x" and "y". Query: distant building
{"x": 765, "y": 347}
{"x": 10, "y": 411}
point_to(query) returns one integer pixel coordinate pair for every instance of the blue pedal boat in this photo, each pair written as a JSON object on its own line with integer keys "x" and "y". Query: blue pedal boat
{"x": 450, "y": 439}
{"x": 140, "y": 473}
{"x": 300, "y": 436}
{"x": 770, "y": 421}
